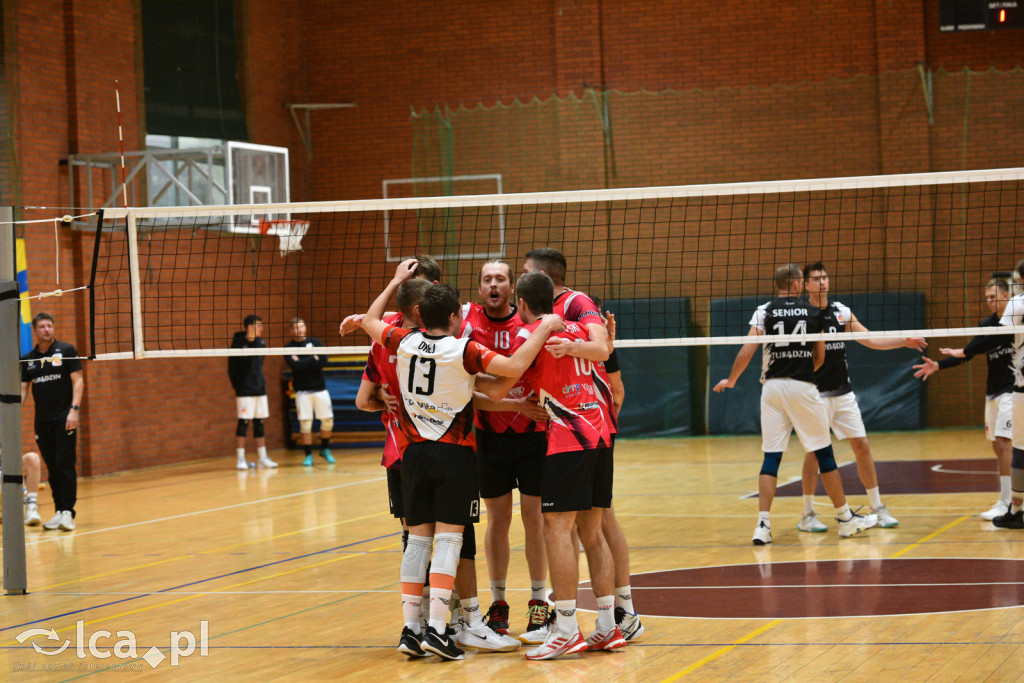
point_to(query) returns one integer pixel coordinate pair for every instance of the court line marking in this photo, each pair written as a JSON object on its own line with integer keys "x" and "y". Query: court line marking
{"x": 721, "y": 651}
{"x": 930, "y": 536}
{"x": 206, "y": 552}
{"x": 527, "y": 590}
{"x": 80, "y": 534}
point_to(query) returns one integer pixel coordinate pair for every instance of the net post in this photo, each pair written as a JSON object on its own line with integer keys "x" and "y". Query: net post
{"x": 138, "y": 344}
{"x": 92, "y": 284}
{"x": 15, "y": 581}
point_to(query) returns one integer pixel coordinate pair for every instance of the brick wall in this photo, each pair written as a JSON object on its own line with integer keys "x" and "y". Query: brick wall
{"x": 393, "y": 58}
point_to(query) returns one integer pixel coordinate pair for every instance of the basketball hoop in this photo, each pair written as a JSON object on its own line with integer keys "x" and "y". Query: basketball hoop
{"x": 289, "y": 232}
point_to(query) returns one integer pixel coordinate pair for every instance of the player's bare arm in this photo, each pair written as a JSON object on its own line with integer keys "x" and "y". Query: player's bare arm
{"x": 597, "y": 349}
{"x": 528, "y": 406}
{"x": 916, "y": 343}
{"x": 818, "y": 354}
{"x": 77, "y": 390}
{"x": 743, "y": 357}
{"x": 373, "y": 322}
{"x": 954, "y": 353}
{"x": 366, "y": 398}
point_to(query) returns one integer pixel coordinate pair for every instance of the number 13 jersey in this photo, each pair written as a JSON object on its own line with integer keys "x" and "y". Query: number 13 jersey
{"x": 436, "y": 379}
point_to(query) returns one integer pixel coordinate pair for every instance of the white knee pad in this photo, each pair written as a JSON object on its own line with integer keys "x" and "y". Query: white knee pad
{"x": 447, "y": 547}
{"x": 415, "y": 559}
{"x": 327, "y": 425}
{"x": 305, "y": 426}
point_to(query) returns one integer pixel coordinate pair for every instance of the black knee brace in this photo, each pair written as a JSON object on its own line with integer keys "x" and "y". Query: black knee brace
{"x": 257, "y": 428}
{"x": 243, "y": 426}
{"x": 468, "y": 550}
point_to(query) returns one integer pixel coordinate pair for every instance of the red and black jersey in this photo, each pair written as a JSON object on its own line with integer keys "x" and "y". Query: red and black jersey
{"x": 577, "y": 307}
{"x": 499, "y": 334}
{"x": 381, "y": 368}
{"x": 567, "y": 391}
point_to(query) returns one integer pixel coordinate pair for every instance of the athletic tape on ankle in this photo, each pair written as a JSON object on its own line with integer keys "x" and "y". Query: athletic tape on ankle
{"x": 415, "y": 559}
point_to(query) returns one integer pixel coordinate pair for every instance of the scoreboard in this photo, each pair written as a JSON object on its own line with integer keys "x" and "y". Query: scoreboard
{"x": 980, "y": 15}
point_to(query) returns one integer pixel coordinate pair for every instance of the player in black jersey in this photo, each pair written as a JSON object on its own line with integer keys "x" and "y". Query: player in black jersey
{"x": 312, "y": 400}
{"x": 998, "y": 387}
{"x": 833, "y": 382}
{"x": 790, "y": 400}
{"x": 54, "y": 372}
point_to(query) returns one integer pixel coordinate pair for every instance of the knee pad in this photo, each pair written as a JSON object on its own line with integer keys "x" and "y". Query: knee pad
{"x": 243, "y": 426}
{"x": 1017, "y": 460}
{"x": 446, "y": 553}
{"x": 468, "y": 551}
{"x": 415, "y": 559}
{"x": 326, "y": 425}
{"x": 826, "y": 460}
{"x": 305, "y": 426}
{"x": 771, "y": 463}
{"x": 257, "y": 428}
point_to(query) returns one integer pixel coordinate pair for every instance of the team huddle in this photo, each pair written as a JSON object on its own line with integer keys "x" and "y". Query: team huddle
{"x": 806, "y": 388}
{"x": 535, "y": 378}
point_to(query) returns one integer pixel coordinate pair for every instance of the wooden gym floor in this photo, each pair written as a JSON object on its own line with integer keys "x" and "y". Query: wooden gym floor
{"x": 295, "y": 573}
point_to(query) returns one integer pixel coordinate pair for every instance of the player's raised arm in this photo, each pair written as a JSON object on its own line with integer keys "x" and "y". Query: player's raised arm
{"x": 597, "y": 349}
{"x": 373, "y": 323}
{"x": 743, "y": 357}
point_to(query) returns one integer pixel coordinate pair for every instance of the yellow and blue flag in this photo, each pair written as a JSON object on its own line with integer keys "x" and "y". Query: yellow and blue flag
{"x": 26, "y": 308}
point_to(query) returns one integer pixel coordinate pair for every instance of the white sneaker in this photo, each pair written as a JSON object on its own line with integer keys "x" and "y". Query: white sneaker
{"x": 242, "y": 464}
{"x": 67, "y": 522}
{"x": 854, "y": 525}
{"x": 265, "y": 461}
{"x": 762, "y": 534}
{"x": 54, "y": 521}
{"x": 484, "y": 639}
{"x": 998, "y": 510}
{"x": 629, "y": 624}
{"x": 885, "y": 520}
{"x": 811, "y": 524}
{"x": 32, "y": 517}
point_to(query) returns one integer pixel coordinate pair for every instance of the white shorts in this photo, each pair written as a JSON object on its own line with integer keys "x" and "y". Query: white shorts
{"x": 844, "y": 416}
{"x": 1018, "y": 420}
{"x": 252, "y": 407}
{"x": 310, "y": 404}
{"x": 788, "y": 404}
{"x": 999, "y": 417}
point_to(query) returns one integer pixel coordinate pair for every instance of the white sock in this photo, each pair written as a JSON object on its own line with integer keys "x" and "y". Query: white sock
{"x": 30, "y": 498}
{"x": 874, "y": 498}
{"x": 262, "y": 452}
{"x": 843, "y": 514}
{"x": 565, "y": 617}
{"x": 240, "y": 452}
{"x": 605, "y": 612}
{"x": 411, "y": 605}
{"x": 1004, "y": 488}
{"x": 624, "y": 598}
{"x": 808, "y": 504}
{"x": 471, "y": 612}
{"x": 764, "y": 517}
{"x": 439, "y": 600}
{"x": 497, "y": 590}
{"x": 538, "y": 591}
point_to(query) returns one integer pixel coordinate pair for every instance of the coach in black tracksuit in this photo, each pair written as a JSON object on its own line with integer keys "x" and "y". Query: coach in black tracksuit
{"x": 54, "y": 372}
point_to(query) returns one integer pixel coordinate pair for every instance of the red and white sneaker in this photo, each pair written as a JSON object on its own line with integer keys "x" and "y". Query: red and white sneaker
{"x": 611, "y": 639}
{"x": 559, "y": 644}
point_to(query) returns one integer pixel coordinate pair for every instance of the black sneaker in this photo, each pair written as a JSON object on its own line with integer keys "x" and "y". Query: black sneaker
{"x": 497, "y": 616}
{"x": 1011, "y": 520}
{"x": 410, "y": 644}
{"x": 441, "y": 645}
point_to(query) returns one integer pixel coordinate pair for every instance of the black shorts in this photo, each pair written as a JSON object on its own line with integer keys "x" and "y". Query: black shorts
{"x": 578, "y": 480}
{"x": 395, "y": 493}
{"x": 509, "y": 461}
{"x": 440, "y": 483}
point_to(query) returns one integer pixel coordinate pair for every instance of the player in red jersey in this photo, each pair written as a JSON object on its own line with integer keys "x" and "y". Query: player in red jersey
{"x": 577, "y": 479}
{"x": 510, "y": 450}
{"x": 577, "y": 307}
{"x": 440, "y": 487}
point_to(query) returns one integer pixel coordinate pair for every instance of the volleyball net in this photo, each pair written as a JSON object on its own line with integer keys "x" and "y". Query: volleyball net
{"x": 685, "y": 265}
